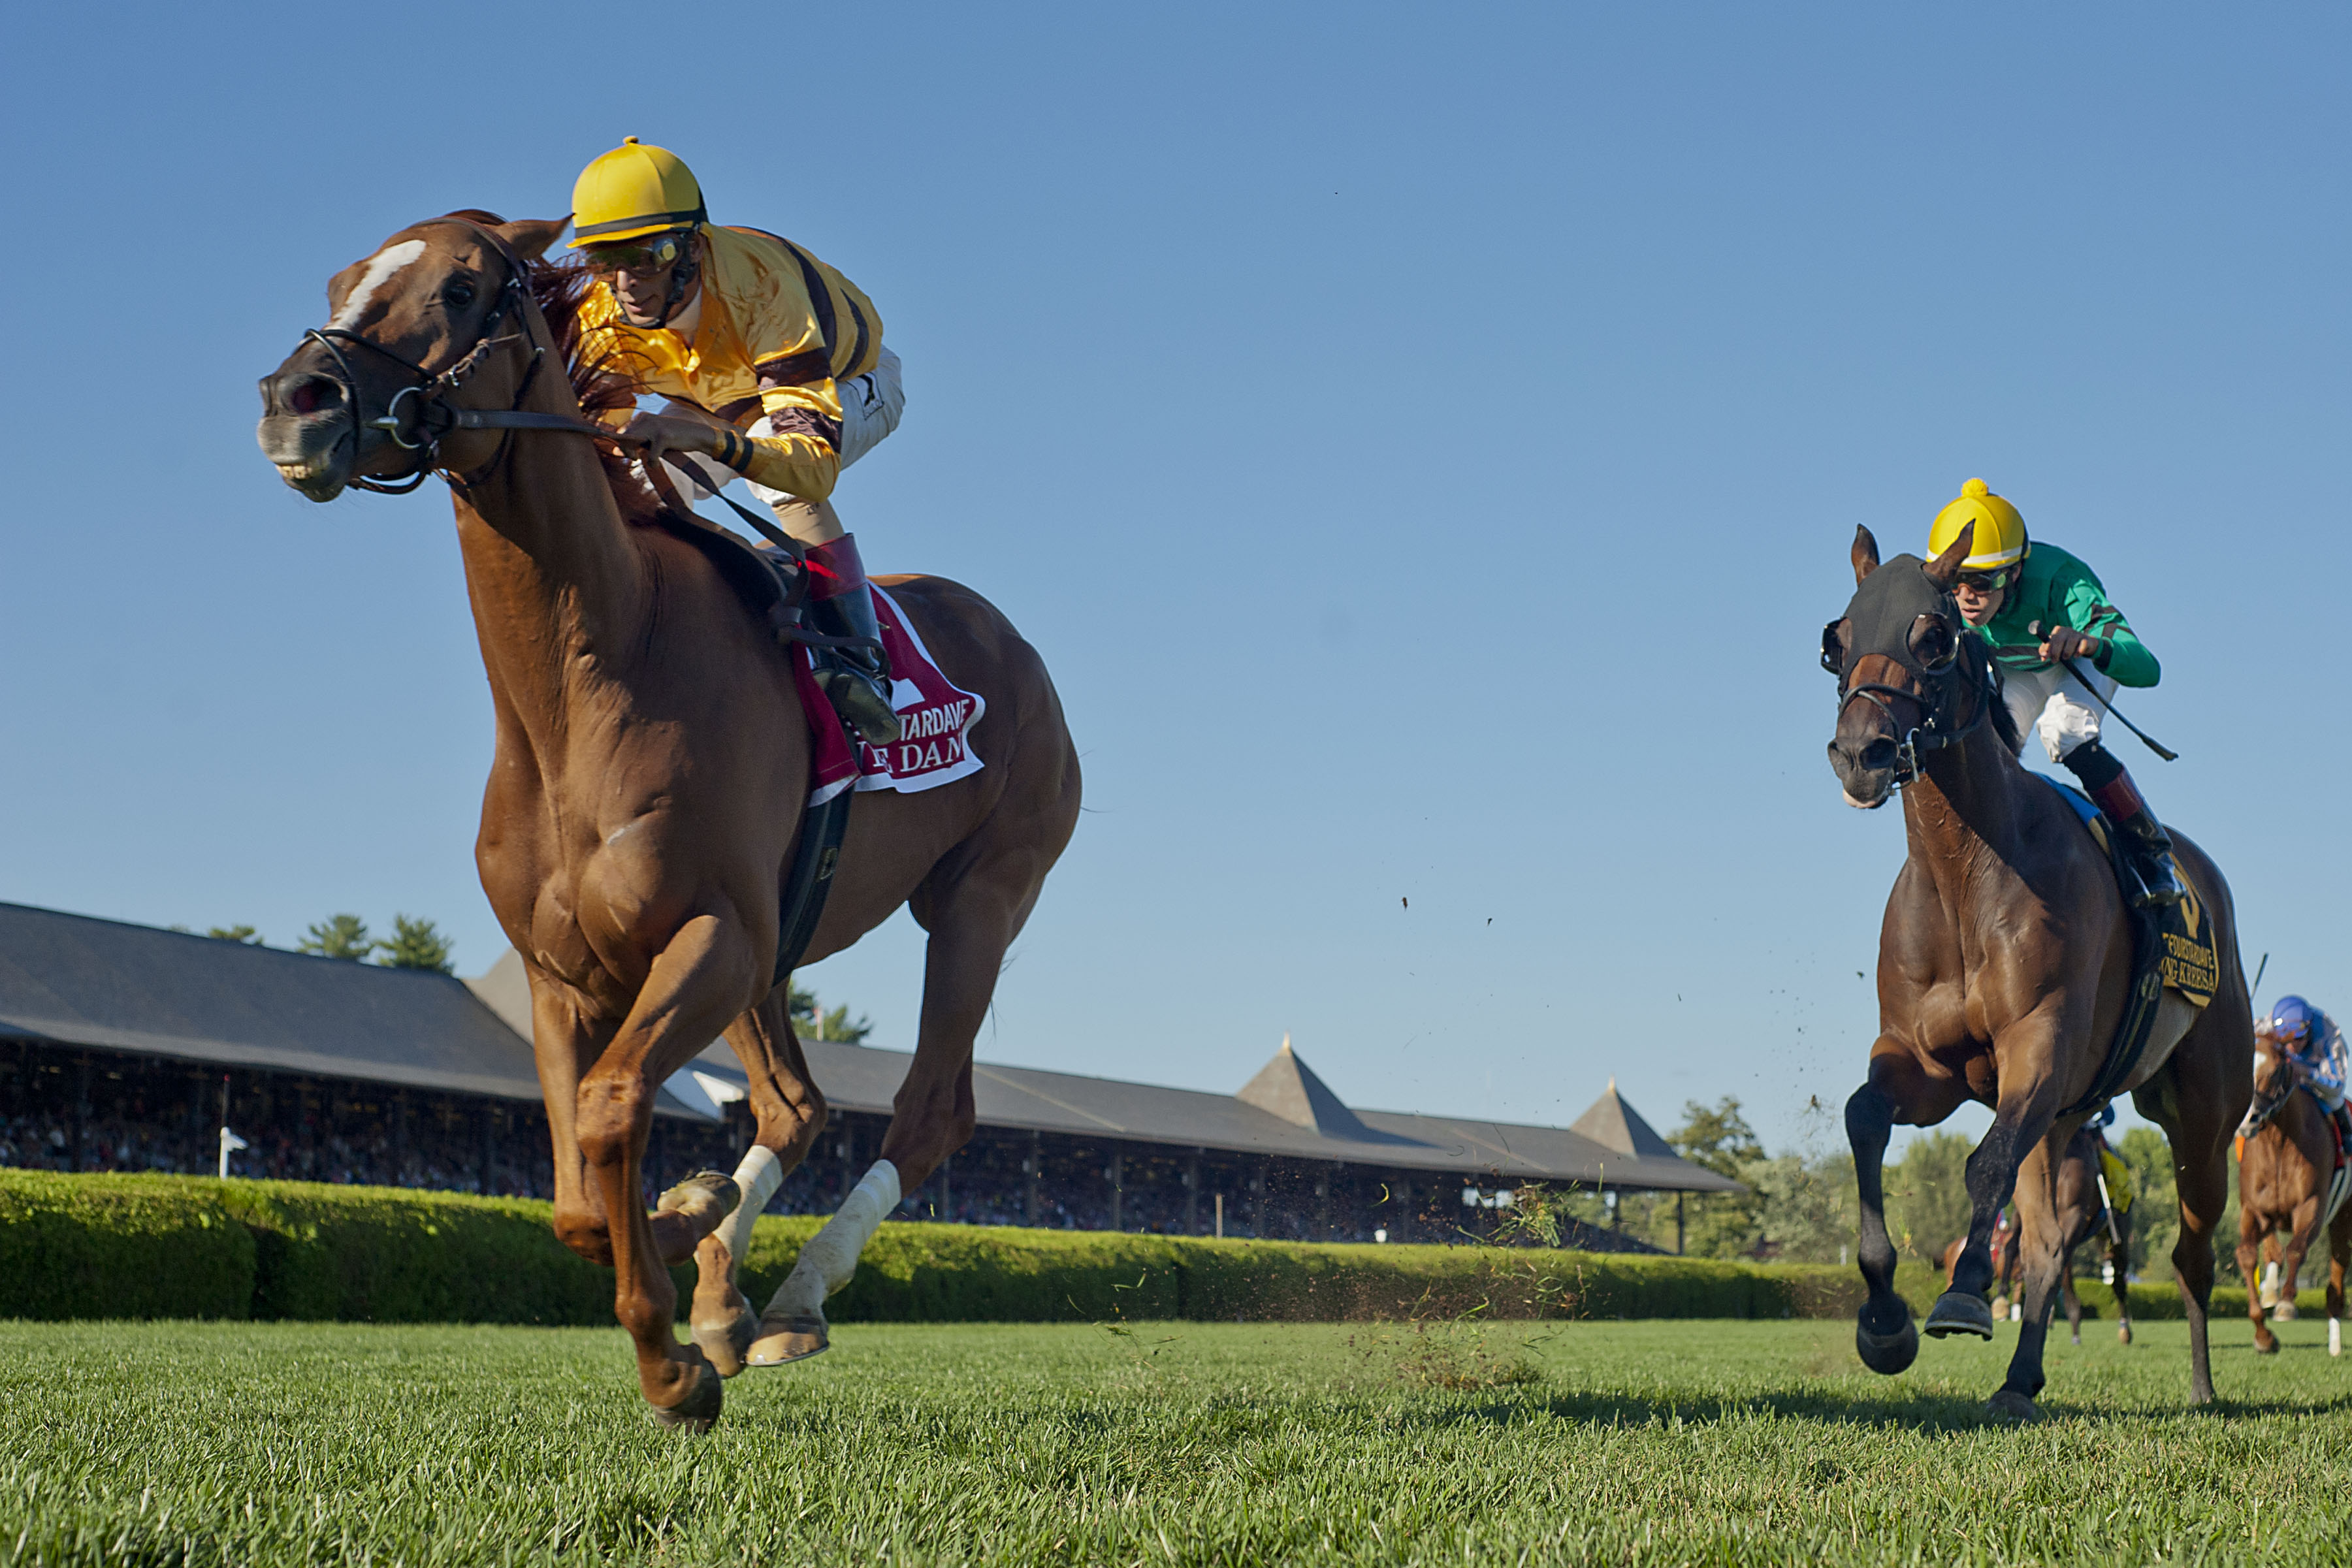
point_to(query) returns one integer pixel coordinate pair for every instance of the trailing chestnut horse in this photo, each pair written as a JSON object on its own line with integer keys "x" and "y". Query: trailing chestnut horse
{"x": 652, "y": 765}
{"x": 2004, "y": 960}
{"x": 2284, "y": 1170}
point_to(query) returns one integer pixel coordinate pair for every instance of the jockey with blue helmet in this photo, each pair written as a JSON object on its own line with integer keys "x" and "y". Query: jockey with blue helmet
{"x": 2312, "y": 1042}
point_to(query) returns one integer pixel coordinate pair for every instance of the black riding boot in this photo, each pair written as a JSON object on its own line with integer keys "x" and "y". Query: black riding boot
{"x": 2147, "y": 847}
{"x": 858, "y": 680}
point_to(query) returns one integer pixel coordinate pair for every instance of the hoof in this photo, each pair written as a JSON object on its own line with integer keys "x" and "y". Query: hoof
{"x": 2078, "y": 1336}
{"x": 2122, "y": 1335}
{"x": 727, "y": 1342}
{"x": 787, "y": 1339}
{"x": 2000, "y": 1307}
{"x": 2267, "y": 1345}
{"x": 699, "y": 1411}
{"x": 1889, "y": 1354}
{"x": 2011, "y": 1406}
{"x": 2284, "y": 1311}
{"x": 705, "y": 1195}
{"x": 1956, "y": 1313}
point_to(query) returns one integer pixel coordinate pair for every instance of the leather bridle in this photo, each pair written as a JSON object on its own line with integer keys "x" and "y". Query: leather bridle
{"x": 435, "y": 417}
{"x": 1971, "y": 665}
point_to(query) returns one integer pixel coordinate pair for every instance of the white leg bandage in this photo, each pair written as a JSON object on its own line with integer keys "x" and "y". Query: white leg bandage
{"x": 829, "y": 1259}
{"x": 2335, "y": 1337}
{"x": 758, "y": 1177}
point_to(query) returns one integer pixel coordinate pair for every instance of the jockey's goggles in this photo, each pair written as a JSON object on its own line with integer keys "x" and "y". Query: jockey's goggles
{"x": 648, "y": 255}
{"x": 1986, "y": 581}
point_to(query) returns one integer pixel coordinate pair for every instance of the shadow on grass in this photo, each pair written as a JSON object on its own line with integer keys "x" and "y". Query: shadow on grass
{"x": 1930, "y": 1413}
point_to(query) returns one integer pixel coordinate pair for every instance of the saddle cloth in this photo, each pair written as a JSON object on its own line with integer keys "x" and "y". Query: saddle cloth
{"x": 935, "y": 721}
{"x": 2185, "y": 952}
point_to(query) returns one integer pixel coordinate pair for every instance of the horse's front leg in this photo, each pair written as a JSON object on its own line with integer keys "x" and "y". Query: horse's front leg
{"x": 790, "y": 1112}
{"x": 2250, "y": 1227}
{"x": 2020, "y": 1124}
{"x": 2120, "y": 1266}
{"x": 1883, "y": 1334}
{"x": 2303, "y": 1232}
{"x": 695, "y": 987}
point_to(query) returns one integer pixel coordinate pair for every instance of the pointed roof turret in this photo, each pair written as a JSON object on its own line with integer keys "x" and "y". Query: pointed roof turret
{"x": 1614, "y": 1124}
{"x": 1286, "y": 1087}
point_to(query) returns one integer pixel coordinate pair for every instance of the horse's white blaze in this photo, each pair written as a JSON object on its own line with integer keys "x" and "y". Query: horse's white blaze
{"x": 829, "y": 1259}
{"x": 379, "y": 269}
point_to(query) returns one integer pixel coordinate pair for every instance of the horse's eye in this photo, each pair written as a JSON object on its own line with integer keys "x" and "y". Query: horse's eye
{"x": 1933, "y": 642}
{"x": 1832, "y": 649}
{"x": 457, "y": 296}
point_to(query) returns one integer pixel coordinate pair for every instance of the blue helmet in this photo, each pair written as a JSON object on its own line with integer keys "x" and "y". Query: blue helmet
{"x": 2106, "y": 1117}
{"x": 2291, "y": 1019}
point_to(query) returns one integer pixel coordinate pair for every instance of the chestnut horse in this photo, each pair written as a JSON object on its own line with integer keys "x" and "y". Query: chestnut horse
{"x": 651, "y": 768}
{"x": 2284, "y": 1172}
{"x": 2005, "y": 957}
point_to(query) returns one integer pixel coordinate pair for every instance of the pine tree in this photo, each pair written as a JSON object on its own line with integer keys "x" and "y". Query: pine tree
{"x": 246, "y": 933}
{"x": 339, "y": 936}
{"x": 416, "y": 944}
{"x": 810, "y": 1022}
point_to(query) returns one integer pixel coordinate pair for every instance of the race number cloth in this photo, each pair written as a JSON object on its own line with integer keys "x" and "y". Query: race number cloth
{"x": 935, "y": 721}
{"x": 2185, "y": 955}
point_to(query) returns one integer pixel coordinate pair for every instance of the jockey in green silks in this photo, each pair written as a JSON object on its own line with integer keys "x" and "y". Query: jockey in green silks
{"x": 2047, "y": 621}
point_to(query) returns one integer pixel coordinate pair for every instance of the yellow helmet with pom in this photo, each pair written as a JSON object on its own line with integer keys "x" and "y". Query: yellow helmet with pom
{"x": 633, "y": 191}
{"x": 2000, "y": 538}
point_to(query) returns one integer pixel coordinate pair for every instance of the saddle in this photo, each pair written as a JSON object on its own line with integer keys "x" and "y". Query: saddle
{"x": 2173, "y": 949}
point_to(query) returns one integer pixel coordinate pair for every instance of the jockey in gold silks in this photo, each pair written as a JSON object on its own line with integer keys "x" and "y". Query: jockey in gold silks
{"x": 774, "y": 368}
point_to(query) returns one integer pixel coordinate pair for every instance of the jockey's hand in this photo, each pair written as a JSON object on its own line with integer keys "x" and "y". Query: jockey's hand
{"x": 662, "y": 433}
{"x": 2064, "y": 643}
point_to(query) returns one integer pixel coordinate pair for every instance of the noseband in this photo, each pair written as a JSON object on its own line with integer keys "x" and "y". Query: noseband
{"x": 1971, "y": 666}
{"x": 435, "y": 417}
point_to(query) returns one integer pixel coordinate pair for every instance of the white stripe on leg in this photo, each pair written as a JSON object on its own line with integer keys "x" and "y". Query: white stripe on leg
{"x": 829, "y": 1259}
{"x": 758, "y": 1177}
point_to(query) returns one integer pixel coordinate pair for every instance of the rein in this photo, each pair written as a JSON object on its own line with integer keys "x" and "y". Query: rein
{"x": 1933, "y": 732}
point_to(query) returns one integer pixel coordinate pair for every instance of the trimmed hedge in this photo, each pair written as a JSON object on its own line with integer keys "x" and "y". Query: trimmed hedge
{"x": 191, "y": 1246}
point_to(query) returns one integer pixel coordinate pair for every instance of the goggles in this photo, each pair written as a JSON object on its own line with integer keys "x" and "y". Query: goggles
{"x": 647, "y": 254}
{"x": 1986, "y": 581}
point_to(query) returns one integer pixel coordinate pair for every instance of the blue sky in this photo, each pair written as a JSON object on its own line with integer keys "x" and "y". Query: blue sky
{"x": 1423, "y": 444}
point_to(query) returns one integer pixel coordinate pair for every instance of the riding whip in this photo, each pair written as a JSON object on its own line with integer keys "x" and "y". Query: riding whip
{"x": 2149, "y": 741}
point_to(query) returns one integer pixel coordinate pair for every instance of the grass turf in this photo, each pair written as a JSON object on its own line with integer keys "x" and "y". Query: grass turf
{"x": 1666, "y": 1442}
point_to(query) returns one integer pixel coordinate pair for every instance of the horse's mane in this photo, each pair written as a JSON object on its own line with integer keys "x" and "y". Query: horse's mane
{"x": 605, "y": 382}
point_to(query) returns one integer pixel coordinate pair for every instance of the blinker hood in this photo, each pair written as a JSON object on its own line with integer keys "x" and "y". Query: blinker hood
{"x": 1888, "y": 604}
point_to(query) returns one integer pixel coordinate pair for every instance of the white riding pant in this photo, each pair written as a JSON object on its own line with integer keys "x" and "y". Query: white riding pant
{"x": 871, "y": 405}
{"x": 2052, "y": 703}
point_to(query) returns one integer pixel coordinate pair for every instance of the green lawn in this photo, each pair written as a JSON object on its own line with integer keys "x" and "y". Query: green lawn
{"x": 1667, "y": 1442}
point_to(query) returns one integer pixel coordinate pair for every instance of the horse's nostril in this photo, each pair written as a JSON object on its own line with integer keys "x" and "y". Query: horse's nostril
{"x": 312, "y": 393}
{"x": 1878, "y": 754}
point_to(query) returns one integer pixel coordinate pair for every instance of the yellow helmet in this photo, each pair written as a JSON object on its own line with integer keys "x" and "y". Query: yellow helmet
{"x": 2000, "y": 533}
{"x": 632, "y": 191}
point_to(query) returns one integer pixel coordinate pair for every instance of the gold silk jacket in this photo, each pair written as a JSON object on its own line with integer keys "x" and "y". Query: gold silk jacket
{"x": 778, "y": 329}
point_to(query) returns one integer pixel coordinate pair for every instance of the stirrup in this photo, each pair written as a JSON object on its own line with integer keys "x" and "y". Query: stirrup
{"x": 2159, "y": 885}
{"x": 862, "y": 702}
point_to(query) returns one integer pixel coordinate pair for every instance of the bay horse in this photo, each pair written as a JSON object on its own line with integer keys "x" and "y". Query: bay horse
{"x": 650, "y": 775}
{"x": 2005, "y": 958}
{"x": 2285, "y": 1168}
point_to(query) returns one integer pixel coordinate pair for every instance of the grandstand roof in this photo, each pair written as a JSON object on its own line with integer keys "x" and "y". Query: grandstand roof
{"x": 69, "y": 979}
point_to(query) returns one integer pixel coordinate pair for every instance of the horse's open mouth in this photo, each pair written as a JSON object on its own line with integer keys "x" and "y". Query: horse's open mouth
{"x": 308, "y": 452}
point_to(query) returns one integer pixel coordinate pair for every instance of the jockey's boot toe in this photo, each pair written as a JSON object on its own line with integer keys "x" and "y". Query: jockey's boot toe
{"x": 2149, "y": 849}
{"x": 863, "y": 703}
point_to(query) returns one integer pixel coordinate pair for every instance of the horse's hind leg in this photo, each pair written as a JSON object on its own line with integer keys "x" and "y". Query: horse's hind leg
{"x": 2041, "y": 1257}
{"x": 2250, "y": 1252}
{"x": 2199, "y": 1117}
{"x": 2339, "y": 1252}
{"x": 2067, "y": 1296}
{"x": 791, "y": 1113}
{"x": 2305, "y": 1231}
{"x": 972, "y": 906}
{"x": 2120, "y": 1266}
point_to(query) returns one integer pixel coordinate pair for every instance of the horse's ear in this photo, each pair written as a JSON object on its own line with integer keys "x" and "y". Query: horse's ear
{"x": 1866, "y": 555}
{"x": 1945, "y": 569}
{"x": 531, "y": 237}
